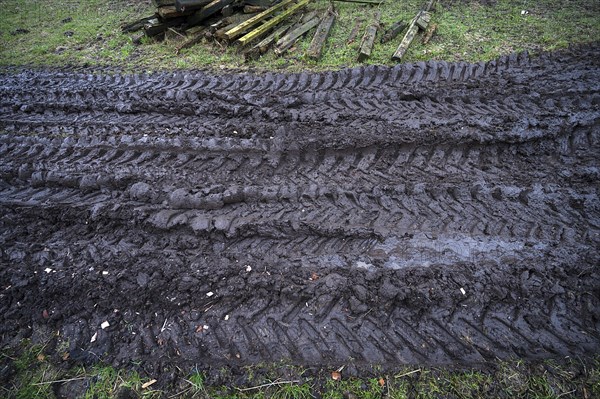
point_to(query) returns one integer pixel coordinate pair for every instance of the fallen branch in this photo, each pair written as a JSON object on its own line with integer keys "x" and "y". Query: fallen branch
{"x": 268, "y": 385}
{"x": 57, "y": 381}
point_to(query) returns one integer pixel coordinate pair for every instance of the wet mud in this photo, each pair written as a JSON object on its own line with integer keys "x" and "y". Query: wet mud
{"x": 430, "y": 213}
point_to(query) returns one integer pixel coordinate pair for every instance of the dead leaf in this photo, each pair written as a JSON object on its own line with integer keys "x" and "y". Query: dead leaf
{"x": 147, "y": 384}
{"x": 381, "y": 382}
{"x": 45, "y": 314}
{"x": 336, "y": 375}
{"x": 65, "y": 356}
{"x": 314, "y": 276}
{"x": 199, "y": 329}
{"x": 41, "y": 357}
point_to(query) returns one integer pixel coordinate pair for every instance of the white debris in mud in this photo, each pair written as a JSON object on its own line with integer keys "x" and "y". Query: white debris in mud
{"x": 94, "y": 337}
{"x": 462, "y": 290}
{"x": 205, "y": 327}
{"x": 210, "y": 293}
{"x": 48, "y": 270}
{"x": 248, "y": 268}
{"x": 364, "y": 265}
{"x": 104, "y": 325}
{"x": 105, "y": 273}
{"x": 226, "y": 317}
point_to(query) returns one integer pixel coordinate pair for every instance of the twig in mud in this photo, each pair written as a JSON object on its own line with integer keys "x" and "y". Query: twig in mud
{"x": 55, "y": 381}
{"x": 268, "y": 385}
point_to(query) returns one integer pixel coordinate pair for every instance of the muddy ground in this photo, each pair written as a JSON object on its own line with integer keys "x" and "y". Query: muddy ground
{"x": 429, "y": 213}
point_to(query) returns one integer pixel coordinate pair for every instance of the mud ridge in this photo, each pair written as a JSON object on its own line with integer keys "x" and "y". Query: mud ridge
{"x": 429, "y": 213}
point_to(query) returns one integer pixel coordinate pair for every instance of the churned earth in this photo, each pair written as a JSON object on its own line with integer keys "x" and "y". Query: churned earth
{"x": 431, "y": 213}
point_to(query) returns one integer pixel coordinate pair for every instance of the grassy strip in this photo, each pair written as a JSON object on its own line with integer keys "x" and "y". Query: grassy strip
{"x": 64, "y": 32}
{"x": 33, "y": 374}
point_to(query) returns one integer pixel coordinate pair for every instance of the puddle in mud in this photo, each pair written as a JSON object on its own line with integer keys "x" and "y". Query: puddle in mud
{"x": 424, "y": 249}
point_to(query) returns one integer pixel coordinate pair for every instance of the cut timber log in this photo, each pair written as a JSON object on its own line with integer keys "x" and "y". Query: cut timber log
{"x": 287, "y": 41}
{"x": 368, "y": 39}
{"x": 429, "y": 33}
{"x": 267, "y": 26}
{"x": 393, "y": 31}
{"x": 239, "y": 30}
{"x": 189, "y": 5}
{"x": 355, "y": 30}
{"x": 261, "y": 47}
{"x": 207, "y": 11}
{"x": 316, "y": 46}
{"x": 420, "y": 21}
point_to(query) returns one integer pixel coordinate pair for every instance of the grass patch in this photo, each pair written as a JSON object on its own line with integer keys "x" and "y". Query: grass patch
{"x": 66, "y": 32}
{"x": 37, "y": 372}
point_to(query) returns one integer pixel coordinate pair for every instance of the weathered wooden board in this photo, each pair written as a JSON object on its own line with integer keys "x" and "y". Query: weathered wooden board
{"x": 207, "y": 11}
{"x": 188, "y": 5}
{"x": 267, "y": 26}
{"x": 366, "y": 46}
{"x": 429, "y": 33}
{"x": 261, "y": 47}
{"x": 316, "y": 46}
{"x": 393, "y": 31}
{"x": 420, "y": 21}
{"x": 240, "y": 30}
{"x": 287, "y": 41}
{"x": 355, "y": 29}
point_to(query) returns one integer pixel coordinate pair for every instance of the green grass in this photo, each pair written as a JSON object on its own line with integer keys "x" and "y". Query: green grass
{"x": 38, "y": 373}
{"x": 466, "y": 31}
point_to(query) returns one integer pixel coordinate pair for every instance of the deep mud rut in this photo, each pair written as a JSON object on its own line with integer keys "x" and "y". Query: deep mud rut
{"x": 429, "y": 213}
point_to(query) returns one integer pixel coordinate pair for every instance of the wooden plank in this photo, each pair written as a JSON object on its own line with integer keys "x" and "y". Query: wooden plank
{"x": 261, "y": 47}
{"x": 290, "y": 38}
{"x": 168, "y": 12}
{"x": 193, "y": 40}
{"x": 207, "y": 11}
{"x": 188, "y": 5}
{"x": 239, "y": 30}
{"x": 155, "y": 27}
{"x": 136, "y": 25}
{"x": 232, "y": 21}
{"x": 366, "y": 46}
{"x": 429, "y": 33}
{"x": 253, "y": 9}
{"x": 267, "y": 26}
{"x": 420, "y": 19}
{"x": 393, "y": 31}
{"x": 355, "y": 29}
{"x": 316, "y": 46}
